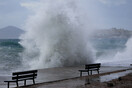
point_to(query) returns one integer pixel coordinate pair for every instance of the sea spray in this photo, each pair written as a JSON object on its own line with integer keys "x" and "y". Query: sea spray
{"x": 56, "y": 35}
{"x": 118, "y": 56}
{"x": 124, "y": 58}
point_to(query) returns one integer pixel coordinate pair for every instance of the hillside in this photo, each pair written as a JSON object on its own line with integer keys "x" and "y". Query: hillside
{"x": 113, "y": 33}
{"x": 10, "y": 32}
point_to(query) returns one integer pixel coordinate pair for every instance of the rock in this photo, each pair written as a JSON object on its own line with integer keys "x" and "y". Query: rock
{"x": 119, "y": 78}
{"x": 110, "y": 84}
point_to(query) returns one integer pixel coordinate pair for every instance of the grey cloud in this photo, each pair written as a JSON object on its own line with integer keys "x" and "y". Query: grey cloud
{"x": 114, "y": 2}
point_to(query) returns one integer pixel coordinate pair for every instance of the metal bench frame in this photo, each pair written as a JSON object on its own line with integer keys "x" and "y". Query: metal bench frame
{"x": 90, "y": 68}
{"x": 23, "y": 76}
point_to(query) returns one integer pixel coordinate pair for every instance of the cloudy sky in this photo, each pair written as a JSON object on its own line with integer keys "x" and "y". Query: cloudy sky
{"x": 104, "y": 13}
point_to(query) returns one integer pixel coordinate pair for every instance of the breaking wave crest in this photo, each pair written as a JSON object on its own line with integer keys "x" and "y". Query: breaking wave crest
{"x": 56, "y": 35}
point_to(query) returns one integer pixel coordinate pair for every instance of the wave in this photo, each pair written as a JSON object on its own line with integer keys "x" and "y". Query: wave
{"x": 56, "y": 35}
{"x": 10, "y": 59}
{"x": 10, "y": 43}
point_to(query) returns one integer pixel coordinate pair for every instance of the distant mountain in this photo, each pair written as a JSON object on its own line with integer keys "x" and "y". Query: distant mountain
{"x": 10, "y": 32}
{"x": 113, "y": 33}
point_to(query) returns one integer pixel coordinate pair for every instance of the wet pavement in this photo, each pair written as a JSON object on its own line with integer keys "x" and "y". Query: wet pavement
{"x": 53, "y": 74}
{"x": 69, "y": 76}
{"x": 81, "y": 82}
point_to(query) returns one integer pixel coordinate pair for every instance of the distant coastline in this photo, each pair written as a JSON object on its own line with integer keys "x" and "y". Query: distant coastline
{"x": 112, "y": 33}
{"x": 12, "y": 32}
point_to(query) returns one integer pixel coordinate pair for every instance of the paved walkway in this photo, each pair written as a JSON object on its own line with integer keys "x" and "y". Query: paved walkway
{"x": 83, "y": 82}
{"x": 53, "y": 74}
{"x": 61, "y": 73}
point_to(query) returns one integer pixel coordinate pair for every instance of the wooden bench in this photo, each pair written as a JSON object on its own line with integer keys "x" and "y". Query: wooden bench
{"x": 23, "y": 76}
{"x": 90, "y": 68}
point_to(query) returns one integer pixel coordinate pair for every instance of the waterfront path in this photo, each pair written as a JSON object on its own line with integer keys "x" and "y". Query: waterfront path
{"x": 49, "y": 75}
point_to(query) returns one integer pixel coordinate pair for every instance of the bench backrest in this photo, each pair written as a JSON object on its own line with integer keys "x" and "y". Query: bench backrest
{"x": 32, "y": 74}
{"x": 90, "y": 66}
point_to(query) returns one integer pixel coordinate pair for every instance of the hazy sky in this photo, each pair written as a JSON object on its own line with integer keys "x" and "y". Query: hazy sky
{"x": 104, "y": 13}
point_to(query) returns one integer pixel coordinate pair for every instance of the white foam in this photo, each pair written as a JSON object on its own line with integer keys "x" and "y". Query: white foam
{"x": 56, "y": 35}
{"x": 121, "y": 58}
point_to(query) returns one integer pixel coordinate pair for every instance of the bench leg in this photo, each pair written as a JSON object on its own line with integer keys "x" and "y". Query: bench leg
{"x": 91, "y": 72}
{"x": 88, "y": 72}
{"x": 98, "y": 71}
{"x": 80, "y": 73}
{"x": 24, "y": 82}
{"x": 17, "y": 83}
{"x": 8, "y": 84}
{"x": 33, "y": 81}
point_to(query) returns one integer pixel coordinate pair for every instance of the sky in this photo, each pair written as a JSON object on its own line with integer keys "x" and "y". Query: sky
{"x": 105, "y": 14}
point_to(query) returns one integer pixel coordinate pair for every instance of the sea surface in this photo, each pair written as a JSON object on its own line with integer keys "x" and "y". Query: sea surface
{"x": 11, "y": 60}
{"x": 111, "y": 46}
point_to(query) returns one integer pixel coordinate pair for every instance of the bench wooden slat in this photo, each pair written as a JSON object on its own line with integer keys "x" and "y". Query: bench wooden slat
{"x": 24, "y": 72}
{"x": 10, "y": 81}
{"x": 24, "y": 76}
{"x": 93, "y": 65}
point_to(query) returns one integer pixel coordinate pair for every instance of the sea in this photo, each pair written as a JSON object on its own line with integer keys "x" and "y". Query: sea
{"x": 11, "y": 49}
{"x": 10, "y": 59}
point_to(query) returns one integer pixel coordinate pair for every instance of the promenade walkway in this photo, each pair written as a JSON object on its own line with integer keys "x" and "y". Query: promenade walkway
{"x": 50, "y": 75}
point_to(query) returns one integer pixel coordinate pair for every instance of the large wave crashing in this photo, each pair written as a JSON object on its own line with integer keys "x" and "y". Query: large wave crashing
{"x": 57, "y": 35}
